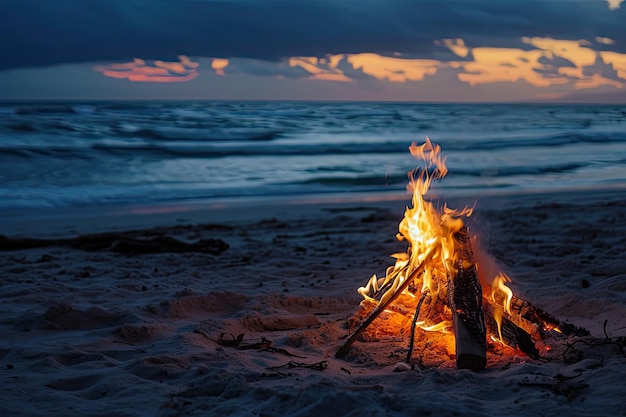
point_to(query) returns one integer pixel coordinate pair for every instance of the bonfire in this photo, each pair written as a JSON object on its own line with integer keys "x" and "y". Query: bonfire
{"x": 438, "y": 286}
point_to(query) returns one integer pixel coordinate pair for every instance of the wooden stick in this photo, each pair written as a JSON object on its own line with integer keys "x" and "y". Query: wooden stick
{"x": 382, "y": 306}
{"x": 413, "y": 325}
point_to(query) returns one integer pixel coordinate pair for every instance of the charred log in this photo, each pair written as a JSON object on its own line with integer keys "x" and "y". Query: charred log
{"x": 525, "y": 324}
{"x": 534, "y": 321}
{"x": 465, "y": 294}
{"x": 545, "y": 321}
{"x": 510, "y": 333}
{"x": 523, "y": 341}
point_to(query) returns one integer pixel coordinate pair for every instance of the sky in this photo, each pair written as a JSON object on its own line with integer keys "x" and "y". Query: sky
{"x": 374, "y": 50}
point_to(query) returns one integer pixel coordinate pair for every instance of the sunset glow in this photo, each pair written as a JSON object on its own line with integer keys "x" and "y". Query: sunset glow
{"x": 430, "y": 51}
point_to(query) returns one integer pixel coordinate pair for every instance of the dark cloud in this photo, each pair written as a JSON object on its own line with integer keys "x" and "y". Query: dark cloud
{"x": 556, "y": 62}
{"x": 263, "y": 68}
{"x": 603, "y": 69}
{"x": 551, "y": 65}
{"x": 353, "y": 73}
{"x": 45, "y": 32}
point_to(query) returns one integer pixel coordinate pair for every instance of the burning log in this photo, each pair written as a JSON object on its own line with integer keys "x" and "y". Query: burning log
{"x": 503, "y": 325}
{"x": 519, "y": 324}
{"x": 545, "y": 322}
{"x": 465, "y": 294}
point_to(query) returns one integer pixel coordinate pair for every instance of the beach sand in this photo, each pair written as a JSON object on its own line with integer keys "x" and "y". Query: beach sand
{"x": 103, "y": 330}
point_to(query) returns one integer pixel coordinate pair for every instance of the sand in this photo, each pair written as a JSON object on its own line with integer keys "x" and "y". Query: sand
{"x": 109, "y": 332}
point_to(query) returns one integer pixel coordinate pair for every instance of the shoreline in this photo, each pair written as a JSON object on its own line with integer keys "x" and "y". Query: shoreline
{"x": 67, "y": 221}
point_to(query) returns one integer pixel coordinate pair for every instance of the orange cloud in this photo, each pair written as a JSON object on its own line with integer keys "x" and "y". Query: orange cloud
{"x": 580, "y": 53}
{"x": 218, "y": 65}
{"x": 552, "y": 62}
{"x": 577, "y": 52}
{"x": 542, "y": 67}
{"x": 393, "y": 69}
{"x": 322, "y": 68}
{"x": 139, "y": 70}
{"x": 562, "y": 64}
{"x": 381, "y": 67}
{"x": 614, "y": 4}
{"x": 493, "y": 65}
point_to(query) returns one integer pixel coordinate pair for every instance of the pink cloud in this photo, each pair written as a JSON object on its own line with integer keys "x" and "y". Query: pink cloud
{"x": 139, "y": 70}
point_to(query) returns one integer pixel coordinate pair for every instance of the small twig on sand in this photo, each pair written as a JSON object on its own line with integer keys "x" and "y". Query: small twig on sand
{"x": 320, "y": 366}
{"x": 620, "y": 342}
{"x": 265, "y": 345}
{"x": 200, "y": 332}
{"x": 413, "y": 325}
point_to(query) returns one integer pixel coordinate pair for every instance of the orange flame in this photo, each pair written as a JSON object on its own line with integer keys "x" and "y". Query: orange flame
{"x": 426, "y": 229}
{"x": 499, "y": 286}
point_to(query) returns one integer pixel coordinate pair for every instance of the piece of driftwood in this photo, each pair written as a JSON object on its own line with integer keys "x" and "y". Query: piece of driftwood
{"x": 382, "y": 306}
{"x": 129, "y": 243}
{"x": 465, "y": 295}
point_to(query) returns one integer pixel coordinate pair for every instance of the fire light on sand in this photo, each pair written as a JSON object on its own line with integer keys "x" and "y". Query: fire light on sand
{"x": 437, "y": 295}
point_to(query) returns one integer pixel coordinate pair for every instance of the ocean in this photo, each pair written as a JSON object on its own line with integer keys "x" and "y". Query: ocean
{"x": 62, "y": 154}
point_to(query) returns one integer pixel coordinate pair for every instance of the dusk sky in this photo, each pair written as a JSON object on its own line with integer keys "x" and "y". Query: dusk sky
{"x": 389, "y": 50}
